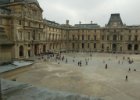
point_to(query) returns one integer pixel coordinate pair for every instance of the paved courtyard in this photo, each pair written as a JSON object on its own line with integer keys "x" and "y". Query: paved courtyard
{"x": 91, "y": 78}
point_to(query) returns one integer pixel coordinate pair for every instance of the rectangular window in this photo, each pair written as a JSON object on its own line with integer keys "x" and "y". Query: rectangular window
{"x": 21, "y": 36}
{"x": 83, "y": 45}
{"x": 33, "y": 35}
{"x": 129, "y": 37}
{"x": 121, "y": 37}
{"x": 73, "y": 46}
{"x": 95, "y": 37}
{"x": 78, "y": 37}
{"x": 0, "y": 21}
{"x": 28, "y": 35}
{"x": 88, "y": 37}
{"x": 82, "y": 37}
{"x": 73, "y": 37}
{"x": 136, "y": 37}
{"x": 108, "y": 37}
{"x": 102, "y": 46}
{"x": 39, "y": 38}
{"x": 20, "y": 22}
{"x": 102, "y": 37}
{"x": 88, "y": 45}
{"x": 94, "y": 45}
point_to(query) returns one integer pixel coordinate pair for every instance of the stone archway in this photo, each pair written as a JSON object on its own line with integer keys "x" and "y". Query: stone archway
{"x": 44, "y": 48}
{"x": 129, "y": 46}
{"x": 114, "y": 47}
{"x": 21, "y": 51}
{"x": 136, "y": 47}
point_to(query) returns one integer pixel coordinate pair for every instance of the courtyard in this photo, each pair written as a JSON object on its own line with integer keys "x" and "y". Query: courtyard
{"x": 91, "y": 78}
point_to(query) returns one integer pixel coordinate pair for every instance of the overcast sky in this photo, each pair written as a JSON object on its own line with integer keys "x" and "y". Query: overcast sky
{"x": 85, "y": 11}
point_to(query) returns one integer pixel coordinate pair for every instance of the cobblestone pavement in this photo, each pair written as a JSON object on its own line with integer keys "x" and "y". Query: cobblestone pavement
{"x": 91, "y": 78}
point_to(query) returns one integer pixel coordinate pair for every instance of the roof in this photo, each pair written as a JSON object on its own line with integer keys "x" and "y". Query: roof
{"x": 115, "y": 20}
{"x": 52, "y": 23}
{"x": 89, "y": 26}
{"x": 12, "y": 1}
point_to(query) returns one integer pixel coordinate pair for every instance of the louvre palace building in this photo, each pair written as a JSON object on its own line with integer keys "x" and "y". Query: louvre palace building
{"x": 24, "y": 33}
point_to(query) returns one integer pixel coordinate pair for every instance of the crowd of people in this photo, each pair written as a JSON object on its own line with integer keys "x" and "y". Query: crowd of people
{"x": 62, "y": 58}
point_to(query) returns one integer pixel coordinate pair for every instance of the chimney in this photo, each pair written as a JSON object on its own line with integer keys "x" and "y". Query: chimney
{"x": 79, "y": 22}
{"x": 91, "y": 22}
{"x": 67, "y": 22}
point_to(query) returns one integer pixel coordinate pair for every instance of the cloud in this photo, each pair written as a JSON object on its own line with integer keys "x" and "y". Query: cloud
{"x": 86, "y": 10}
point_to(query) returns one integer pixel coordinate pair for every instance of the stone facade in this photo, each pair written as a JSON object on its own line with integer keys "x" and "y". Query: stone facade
{"x": 5, "y": 48}
{"x": 32, "y": 35}
{"x": 115, "y": 37}
{"x": 24, "y": 26}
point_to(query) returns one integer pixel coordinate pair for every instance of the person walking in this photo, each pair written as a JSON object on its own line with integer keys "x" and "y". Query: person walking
{"x": 126, "y": 78}
{"x": 106, "y": 66}
{"x": 129, "y": 70}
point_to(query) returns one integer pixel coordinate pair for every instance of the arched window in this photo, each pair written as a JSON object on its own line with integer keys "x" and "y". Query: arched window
{"x": 129, "y": 47}
{"x": 136, "y": 47}
{"x": 114, "y": 47}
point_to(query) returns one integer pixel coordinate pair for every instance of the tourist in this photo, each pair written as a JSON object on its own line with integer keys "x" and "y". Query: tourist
{"x": 106, "y": 66}
{"x": 119, "y": 62}
{"x": 73, "y": 60}
{"x": 123, "y": 58}
{"x": 66, "y": 60}
{"x": 126, "y": 78}
{"x": 78, "y": 63}
{"x": 129, "y": 70}
{"x": 86, "y": 63}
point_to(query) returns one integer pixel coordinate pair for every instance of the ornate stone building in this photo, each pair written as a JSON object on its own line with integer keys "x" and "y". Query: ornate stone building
{"x": 5, "y": 48}
{"x": 22, "y": 23}
{"x": 56, "y": 36}
{"x": 115, "y": 37}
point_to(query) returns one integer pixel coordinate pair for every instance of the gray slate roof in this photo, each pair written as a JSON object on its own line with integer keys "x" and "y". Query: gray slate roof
{"x": 8, "y": 1}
